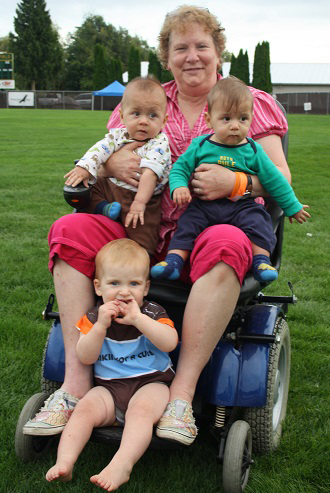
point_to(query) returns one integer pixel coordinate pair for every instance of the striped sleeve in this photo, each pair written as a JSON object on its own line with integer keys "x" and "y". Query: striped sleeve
{"x": 84, "y": 325}
{"x": 114, "y": 120}
{"x": 268, "y": 118}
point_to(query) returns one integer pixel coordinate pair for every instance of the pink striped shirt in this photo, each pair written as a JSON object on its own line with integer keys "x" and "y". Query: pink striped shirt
{"x": 268, "y": 119}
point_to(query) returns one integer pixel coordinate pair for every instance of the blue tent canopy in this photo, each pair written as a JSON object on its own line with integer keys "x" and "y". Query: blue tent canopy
{"x": 114, "y": 89}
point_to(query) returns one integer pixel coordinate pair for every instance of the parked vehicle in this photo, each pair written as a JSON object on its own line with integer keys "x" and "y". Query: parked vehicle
{"x": 84, "y": 100}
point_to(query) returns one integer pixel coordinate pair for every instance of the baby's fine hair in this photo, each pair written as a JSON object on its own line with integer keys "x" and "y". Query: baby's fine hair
{"x": 148, "y": 83}
{"x": 231, "y": 92}
{"x": 123, "y": 252}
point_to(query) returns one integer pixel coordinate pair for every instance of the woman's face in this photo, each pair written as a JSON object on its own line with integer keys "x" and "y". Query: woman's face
{"x": 193, "y": 60}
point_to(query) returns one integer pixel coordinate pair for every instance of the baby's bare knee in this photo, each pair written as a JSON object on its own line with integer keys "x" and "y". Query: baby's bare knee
{"x": 85, "y": 406}
{"x": 140, "y": 408}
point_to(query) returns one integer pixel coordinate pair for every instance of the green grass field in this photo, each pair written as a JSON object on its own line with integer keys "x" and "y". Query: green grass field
{"x": 37, "y": 148}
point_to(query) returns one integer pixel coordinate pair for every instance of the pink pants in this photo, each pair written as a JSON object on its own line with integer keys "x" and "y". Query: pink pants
{"x": 76, "y": 239}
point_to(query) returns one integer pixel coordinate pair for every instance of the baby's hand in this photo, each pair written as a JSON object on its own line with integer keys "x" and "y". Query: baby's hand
{"x": 76, "y": 176}
{"x": 130, "y": 312}
{"x": 136, "y": 212}
{"x": 108, "y": 312}
{"x": 300, "y": 216}
{"x": 181, "y": 196}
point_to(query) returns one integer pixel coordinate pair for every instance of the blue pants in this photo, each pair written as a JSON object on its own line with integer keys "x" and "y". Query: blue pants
{"x": 247, "y": 215}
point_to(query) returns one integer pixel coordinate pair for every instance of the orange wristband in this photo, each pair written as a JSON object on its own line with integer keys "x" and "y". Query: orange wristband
{"x": 241, "y": 182}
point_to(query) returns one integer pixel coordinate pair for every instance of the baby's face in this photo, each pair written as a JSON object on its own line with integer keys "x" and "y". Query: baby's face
{"x": 144, "y": 113}
{"x": 123, "y": 283}
{"x": 230, "y": 127}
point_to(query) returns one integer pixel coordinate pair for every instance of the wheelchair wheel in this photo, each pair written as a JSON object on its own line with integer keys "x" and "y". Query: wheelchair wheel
{"x": 27, "y": 447}
{"x": 266, "y": 422}
{"x": 237, "y": 457}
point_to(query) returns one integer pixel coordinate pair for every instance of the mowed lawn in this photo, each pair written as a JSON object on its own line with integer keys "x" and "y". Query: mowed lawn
{"x": 37, "y": 148}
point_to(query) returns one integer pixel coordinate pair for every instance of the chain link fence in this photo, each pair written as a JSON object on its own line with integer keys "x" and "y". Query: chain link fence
{"x": 57, "y": 100}
{"x": 78, "y": 100}
{"x": 319, "y": 102}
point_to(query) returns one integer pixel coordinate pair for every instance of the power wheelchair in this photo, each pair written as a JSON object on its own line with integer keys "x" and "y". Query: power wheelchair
{"x": 242, "y": 391}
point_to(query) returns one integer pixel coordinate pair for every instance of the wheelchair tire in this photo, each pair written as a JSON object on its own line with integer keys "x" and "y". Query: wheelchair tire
{"x": 28, "y": 447}
{"x": 266, "y": 422}
{"x": 237, "y": 457}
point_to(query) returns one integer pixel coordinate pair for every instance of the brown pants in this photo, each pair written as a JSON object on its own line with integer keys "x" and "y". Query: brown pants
{"x": 146, "y": 235}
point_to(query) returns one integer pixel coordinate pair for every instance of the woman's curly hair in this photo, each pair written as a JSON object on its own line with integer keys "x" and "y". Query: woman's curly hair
{"x": 180, "y": 19}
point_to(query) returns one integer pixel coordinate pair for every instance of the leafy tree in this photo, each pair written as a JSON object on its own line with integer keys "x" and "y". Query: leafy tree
{"x": 80, "y": 51}
{"x": 261, "y": 68}
{"x": 226, "y": 56}
{"x": 4, "y": 44}
{"x": 100, "y": 74}
{"x": 36, "y": 46}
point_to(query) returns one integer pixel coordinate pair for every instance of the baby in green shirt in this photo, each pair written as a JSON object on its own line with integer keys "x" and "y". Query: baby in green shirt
{"x": 230, "y": 113}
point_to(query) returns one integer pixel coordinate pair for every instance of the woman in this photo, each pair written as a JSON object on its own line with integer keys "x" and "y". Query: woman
{"x": 191, "y": 43}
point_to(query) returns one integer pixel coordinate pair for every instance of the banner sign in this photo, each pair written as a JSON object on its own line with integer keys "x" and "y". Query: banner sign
{"x": 20, "y": 98}
{"x": 7, "y": 84}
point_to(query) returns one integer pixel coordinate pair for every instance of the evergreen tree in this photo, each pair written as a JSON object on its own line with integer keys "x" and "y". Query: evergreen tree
{"x": 233, "y": 64}
{"x": 246, "y": 73}
{"x": 261, "y": 67}
{"x": 112, "y": 70}
{"x": 166, "y": 76}
{"x": 266, "y": 54}
{"x": 118, "y": 71}
{"x": 239, "y": 66}
{"x": 36, "y": 47}
{"x": 154, "y": 67}
{"x": 134, "y": 63}
{"x": 100, "y": 73}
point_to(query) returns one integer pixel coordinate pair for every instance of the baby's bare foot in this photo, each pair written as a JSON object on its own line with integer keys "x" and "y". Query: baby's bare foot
{"x": 112, "y": 476}
{"x": 62, "y": 472}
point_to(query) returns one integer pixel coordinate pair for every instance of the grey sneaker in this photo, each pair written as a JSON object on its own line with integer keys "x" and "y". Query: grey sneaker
{"x": 177, "y": 423}
{"x": 53, "y": 416}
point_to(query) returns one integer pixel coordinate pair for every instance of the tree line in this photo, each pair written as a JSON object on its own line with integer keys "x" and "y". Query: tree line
{"x": 95, "y": 54}
{"x": 261, "y": 78}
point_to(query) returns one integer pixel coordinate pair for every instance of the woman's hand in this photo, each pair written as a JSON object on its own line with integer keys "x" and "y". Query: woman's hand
{"x": 212, "y": 181}
{"x": 124, "y": 164}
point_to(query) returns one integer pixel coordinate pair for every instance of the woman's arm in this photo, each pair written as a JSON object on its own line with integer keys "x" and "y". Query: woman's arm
{"x": 124, "y": 165}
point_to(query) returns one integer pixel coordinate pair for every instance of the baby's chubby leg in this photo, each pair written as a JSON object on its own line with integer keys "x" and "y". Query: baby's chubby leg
{"x": 95, "y": 409}
{"x": 144, "y": 411}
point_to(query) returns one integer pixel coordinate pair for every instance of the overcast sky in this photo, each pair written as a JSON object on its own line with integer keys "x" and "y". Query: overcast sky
{"x": 297, "y": 30}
